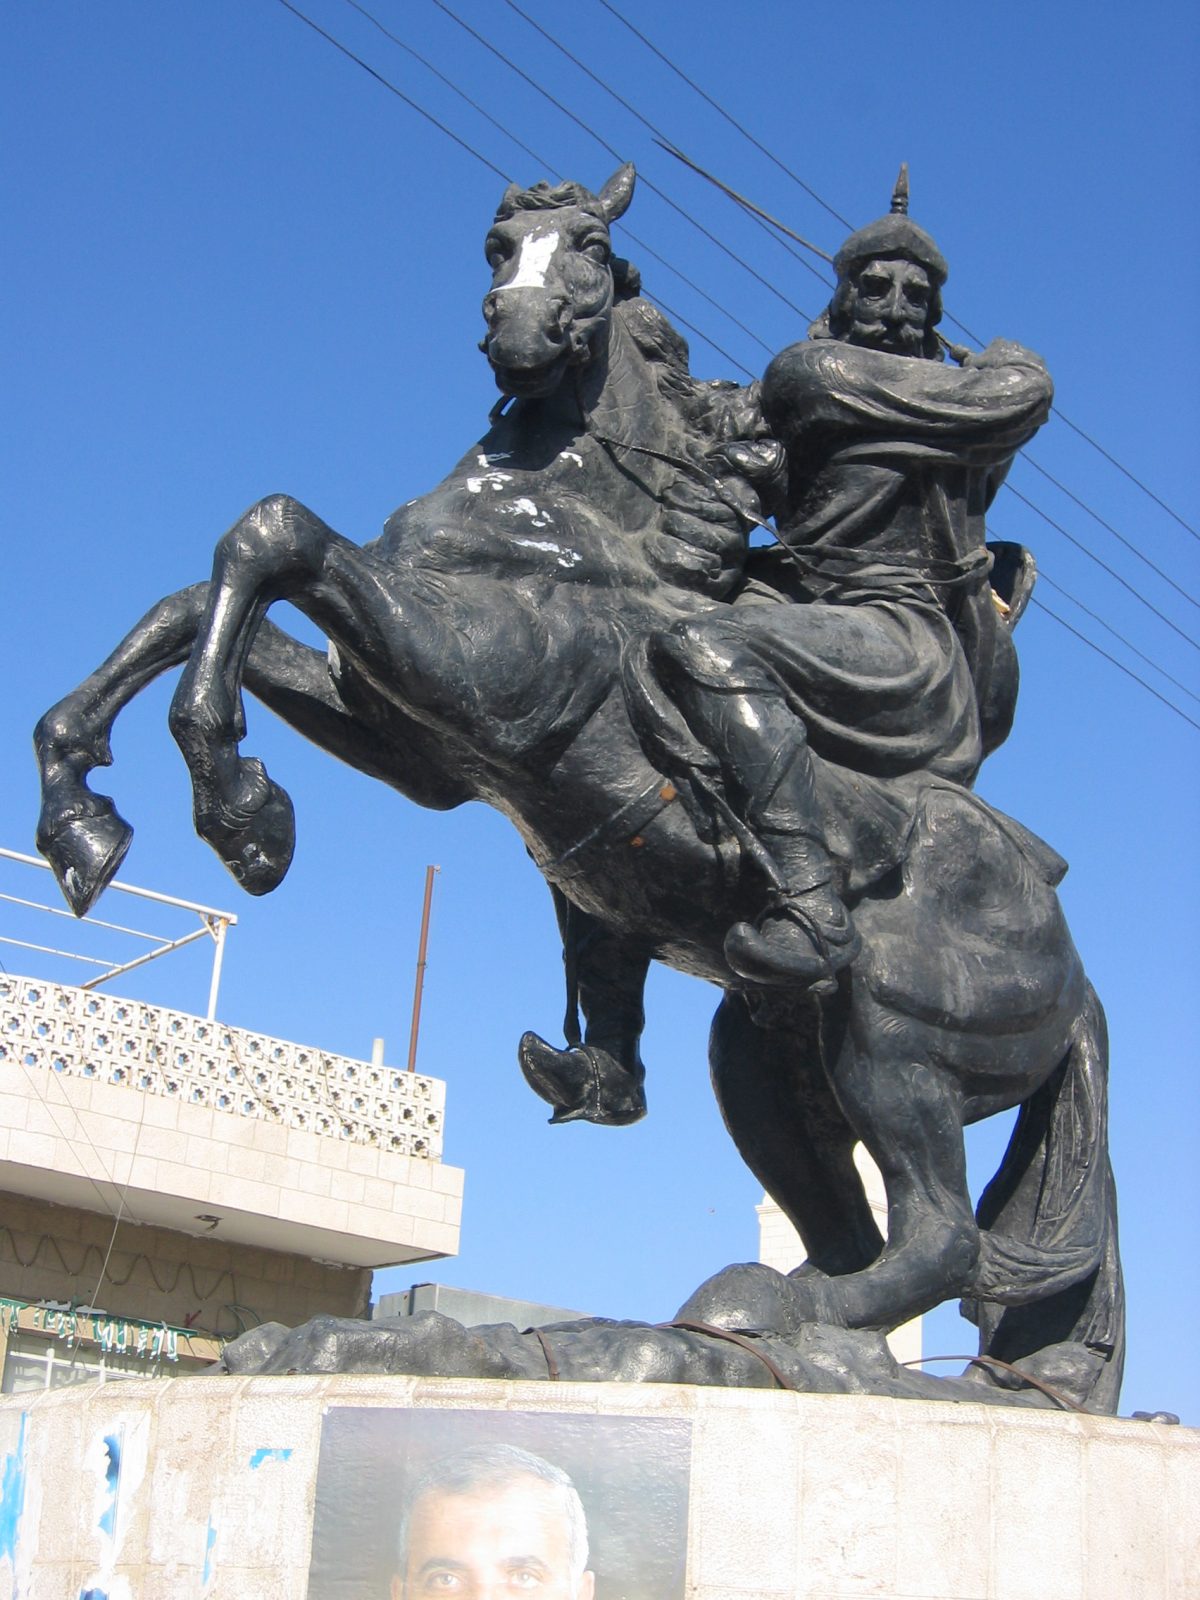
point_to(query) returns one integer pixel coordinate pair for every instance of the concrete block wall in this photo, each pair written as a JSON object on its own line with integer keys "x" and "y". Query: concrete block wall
{"x": 210, "y": 1490}
{"x": 53, "y": 1252}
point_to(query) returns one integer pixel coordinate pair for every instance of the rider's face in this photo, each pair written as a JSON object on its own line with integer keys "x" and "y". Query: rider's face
{"x": 890, "y": 306}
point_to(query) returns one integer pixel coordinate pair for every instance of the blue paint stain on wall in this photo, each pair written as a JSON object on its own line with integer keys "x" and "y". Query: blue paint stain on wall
{"x": 112, "y": 1482}
{"x": 210, "y": 1540}
{"x": 264, "y": 1454}
{"x": 12, "y": 1494}
{"x": 93, "y": 1594}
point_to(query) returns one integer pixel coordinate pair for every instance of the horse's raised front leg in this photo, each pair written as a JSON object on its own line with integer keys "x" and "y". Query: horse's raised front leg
{"x": 278, "y": 551}
{"x": 79, "y": 832}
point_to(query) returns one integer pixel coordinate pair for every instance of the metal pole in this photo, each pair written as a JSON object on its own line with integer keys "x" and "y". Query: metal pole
{"x": 218, "y": 933}
{"x": 420, "y": 983}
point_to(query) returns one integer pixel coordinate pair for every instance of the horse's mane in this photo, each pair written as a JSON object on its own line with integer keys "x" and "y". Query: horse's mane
{"x": 543, "y": 196}
{"x": 712, "y": 410}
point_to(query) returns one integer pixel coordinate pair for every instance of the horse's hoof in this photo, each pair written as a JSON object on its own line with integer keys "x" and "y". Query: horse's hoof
{"x": 584, "y": 1084}
{"x": 86, "y": 853}
{"x": 259, "y": 853}
{"x": 748, "y": 1298}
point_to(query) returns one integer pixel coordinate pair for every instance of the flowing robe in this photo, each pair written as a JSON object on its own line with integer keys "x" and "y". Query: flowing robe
{"x": 888, "y": 645}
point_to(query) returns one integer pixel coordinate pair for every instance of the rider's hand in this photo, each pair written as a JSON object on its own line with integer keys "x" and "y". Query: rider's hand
{"x": 701, "y": 541}
{"x": 1004, "y": 353}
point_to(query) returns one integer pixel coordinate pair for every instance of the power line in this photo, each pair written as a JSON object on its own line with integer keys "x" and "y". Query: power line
{"x": 731, "y": 120}
{"x": 617, "y": 156}
{"x": 809, "y": 190}
{"x": 392, "y": 89}
{"x": 718, "y": 348}
{"x": 1044, "y": 577}
{"x": 1120, "y": 537}
{"x": 1120, "y": 665}
{"x": 549, "y": 167}
{"x": 449, "y": 83}
{"x": 645, "y": 122}
{"x": 1112, "y": 572}
{"x": 662, "y": 305}
{"x": 1145, "y": 488}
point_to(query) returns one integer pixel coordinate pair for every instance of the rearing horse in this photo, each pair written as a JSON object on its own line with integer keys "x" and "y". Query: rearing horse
{"x": 476, "y": 652}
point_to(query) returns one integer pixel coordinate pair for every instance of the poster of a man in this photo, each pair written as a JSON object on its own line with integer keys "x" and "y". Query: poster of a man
{"x": 494, "y": 1522}
{"x": 482, "y": 1505}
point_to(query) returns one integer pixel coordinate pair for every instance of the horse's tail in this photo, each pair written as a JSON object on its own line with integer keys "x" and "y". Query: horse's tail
{"x": 1049, "y": 1291}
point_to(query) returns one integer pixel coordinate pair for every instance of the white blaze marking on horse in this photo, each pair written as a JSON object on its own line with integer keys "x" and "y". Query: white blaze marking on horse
{"x": 493, "y": 480}
{"x": 537, "y": 252}
{"x": 566, "y": 558}
{"x": 524, "y": 507}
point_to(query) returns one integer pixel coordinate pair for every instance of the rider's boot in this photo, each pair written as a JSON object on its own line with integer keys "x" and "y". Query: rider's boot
{"x": 805, "y": 936}
{"x": 734, "y": 706}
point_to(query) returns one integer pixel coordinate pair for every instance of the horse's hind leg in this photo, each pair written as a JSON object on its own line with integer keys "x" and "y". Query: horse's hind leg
{"x": 909, "y": 1114}
{"x": 79, "y": 832}
{"x": 792, "y": 1134}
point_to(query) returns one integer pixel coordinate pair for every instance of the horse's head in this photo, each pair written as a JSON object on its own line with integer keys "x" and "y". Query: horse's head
{"x": 551, "y": 298}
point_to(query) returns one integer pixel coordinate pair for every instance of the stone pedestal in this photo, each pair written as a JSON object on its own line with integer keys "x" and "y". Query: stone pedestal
{"x": 206, "y": 1487}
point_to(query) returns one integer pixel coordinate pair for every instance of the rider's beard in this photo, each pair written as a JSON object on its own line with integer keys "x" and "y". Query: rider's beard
{"x": 874, "y": 334}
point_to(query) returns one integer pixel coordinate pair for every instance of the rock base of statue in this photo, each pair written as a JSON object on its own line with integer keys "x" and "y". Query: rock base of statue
{"x": 284, "y": 1487}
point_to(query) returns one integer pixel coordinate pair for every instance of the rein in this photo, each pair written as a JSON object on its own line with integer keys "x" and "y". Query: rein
{"x": 897, "y": 567}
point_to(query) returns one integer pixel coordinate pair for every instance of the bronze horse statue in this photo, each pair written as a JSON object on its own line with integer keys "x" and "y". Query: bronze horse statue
{"x": 477, "y": 651}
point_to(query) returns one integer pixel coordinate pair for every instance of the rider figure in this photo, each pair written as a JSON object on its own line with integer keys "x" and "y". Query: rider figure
{"x": 811, "y": 723}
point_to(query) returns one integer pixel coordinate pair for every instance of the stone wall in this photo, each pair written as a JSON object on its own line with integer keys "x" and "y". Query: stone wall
{"x": 205, "y": 1486}
{"x": 53, "y": 1252}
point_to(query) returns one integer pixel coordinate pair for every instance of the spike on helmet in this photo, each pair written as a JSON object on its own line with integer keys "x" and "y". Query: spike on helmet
{"x": 893, "y": 235}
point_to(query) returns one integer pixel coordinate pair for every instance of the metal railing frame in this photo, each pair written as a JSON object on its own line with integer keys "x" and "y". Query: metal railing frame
{"x": 212, "y": 922}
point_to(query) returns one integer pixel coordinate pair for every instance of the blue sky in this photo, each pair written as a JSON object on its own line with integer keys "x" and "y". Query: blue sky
{"x": 236, "y": 264}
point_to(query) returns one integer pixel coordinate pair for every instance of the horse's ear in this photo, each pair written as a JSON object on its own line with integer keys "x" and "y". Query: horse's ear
{"x": 616, "y": 194}
{"x": 508, "y": 201}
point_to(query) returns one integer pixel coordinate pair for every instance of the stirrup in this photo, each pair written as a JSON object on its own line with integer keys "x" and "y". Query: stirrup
{"x": 753, "y": 956}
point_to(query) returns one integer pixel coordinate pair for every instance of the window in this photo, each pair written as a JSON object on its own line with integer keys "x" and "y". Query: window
{"x": 37, "y": 1361}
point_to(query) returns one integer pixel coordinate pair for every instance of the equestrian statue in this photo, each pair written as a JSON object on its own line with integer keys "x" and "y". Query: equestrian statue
{"x": 747, "y": 751}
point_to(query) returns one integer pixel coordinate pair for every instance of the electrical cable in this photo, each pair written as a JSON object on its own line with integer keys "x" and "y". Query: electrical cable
{"x": 1120, "y": 666}
{"x": 1120, "y": 537}
{"x": 646, "y": 123}
{"x": 450, "y": 84}
{"x": 617, "y": 156}
{"x": 392, "y": 89}
{"x": 733, "y": 122}
{"x": 553, "y": 171}
{"x": 807, "y": 188}
{"x": 1092, "y": 556}
{"x": 676, "y": 316}
{"x": 725, "y": 354}
{"x": 658, "y": 132}
{"x": 1044, "y": 577}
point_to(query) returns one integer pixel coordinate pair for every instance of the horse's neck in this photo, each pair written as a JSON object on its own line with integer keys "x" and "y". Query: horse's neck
{"x": 610, "y": 415}
{"x": 622, "y": 403}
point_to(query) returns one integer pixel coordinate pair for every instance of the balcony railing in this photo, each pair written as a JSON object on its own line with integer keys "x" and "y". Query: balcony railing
{"x": 76, "y": 1033}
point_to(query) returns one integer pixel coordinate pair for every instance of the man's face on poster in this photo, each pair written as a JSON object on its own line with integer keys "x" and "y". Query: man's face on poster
{"x": 493, "y": 1544}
